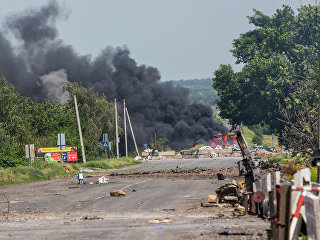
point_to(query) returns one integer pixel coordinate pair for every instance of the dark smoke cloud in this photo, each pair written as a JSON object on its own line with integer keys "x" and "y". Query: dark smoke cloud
{"x": 42, "y": 61}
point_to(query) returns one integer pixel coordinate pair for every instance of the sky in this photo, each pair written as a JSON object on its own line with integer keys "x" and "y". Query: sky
{"x": 184, "y": 39}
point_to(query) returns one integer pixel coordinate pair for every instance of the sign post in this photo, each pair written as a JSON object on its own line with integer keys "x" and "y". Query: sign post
{"x": 110, "y": 149}
{"x": 105, "y": 143}
{"x": 30, "y": 153}
{"x": 61, "y": 144}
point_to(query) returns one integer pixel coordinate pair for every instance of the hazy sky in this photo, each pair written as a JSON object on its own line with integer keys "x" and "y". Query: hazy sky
{"x": 184, "y": 39}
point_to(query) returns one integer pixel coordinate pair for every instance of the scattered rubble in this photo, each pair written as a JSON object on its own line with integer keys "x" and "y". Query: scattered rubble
{"x": 92, "y": 218}
{"x": 213, "y": 198}
{"x": 206, "y": 204}
{"x": 117, "y": 193}
{"x": 138, "y": 158}
{"x": 156, "y": 221}
{"x": 229, "y": 193}
{"x": 103, "y": 179}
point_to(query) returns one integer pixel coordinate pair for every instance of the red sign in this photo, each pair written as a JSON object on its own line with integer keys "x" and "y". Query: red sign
{"x": 72, "y": 156}
{"x": 56, "y": 156}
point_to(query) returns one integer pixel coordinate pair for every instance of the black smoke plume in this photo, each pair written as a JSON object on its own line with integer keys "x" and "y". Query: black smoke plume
{"x": 39, "y": 62}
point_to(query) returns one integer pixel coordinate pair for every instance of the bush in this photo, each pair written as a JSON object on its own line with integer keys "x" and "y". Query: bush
{"x": 272, "y": 162}
{"x": 257, "y": 139}
{"x": 8, "y": 152}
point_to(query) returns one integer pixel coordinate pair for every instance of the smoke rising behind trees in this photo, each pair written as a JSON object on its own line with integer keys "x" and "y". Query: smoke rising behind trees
{"x": 38, "y": 63}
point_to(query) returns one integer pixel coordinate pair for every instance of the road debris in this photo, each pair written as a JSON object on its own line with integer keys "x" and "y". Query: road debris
{"x": 138, "y": 158}
{"x": 213, "y": 198}
{"x": 156, "y": 221}
{"x": 15, "y": 201}
{"x": 91, "y": 218}
{"x": 157, "y": 228}
{"x": 102, "y": 179}
{"x": 229, "y": 193}
{"x": 227, "y": 196}
{"x": 220, "y": 176}
{"x": 234, "y": 234}
{"x": 205, "y": 204}
{"x": 117, "y": 193}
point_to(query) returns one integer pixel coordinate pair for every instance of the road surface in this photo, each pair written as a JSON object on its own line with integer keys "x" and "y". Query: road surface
{"x": 153, "y": 208}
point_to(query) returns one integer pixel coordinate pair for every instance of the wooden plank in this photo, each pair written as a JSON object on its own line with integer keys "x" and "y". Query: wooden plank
{"x": 284, "y": 212}
{"x": 274, "y": 234}
{"x": 207, "y": 204}
{"x": 168, "y": 153}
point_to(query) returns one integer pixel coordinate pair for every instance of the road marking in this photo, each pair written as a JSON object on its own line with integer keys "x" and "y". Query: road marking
{"x": 134, "y": 184}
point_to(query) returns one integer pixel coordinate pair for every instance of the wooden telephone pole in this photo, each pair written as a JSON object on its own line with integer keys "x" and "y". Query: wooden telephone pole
{"x": 134, "y": 139}
{"x": 125, "y": 126}
{"x": 116, "y": 118}
{"x": 80, "y": 131}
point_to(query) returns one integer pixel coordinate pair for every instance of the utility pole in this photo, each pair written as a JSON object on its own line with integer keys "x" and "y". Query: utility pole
{"x": 134, "y": 139}
{"x": 116, "y": 117}
{"x": 80, "y": 131}
{"x": 318, "y": 152}
{"x": 125, "y": 126}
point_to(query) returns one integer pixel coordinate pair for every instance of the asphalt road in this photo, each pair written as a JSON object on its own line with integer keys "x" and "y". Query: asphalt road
{"x": 153, "y": 208}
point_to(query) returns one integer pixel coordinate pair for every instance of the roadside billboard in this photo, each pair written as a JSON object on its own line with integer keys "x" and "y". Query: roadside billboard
{"x": 56, "y": 149}
{"x": 64, "y": 156}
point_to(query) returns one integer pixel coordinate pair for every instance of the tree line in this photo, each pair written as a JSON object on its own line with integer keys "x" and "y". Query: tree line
{"x": 277, "y": 85}
{"x": 25, "y": 121}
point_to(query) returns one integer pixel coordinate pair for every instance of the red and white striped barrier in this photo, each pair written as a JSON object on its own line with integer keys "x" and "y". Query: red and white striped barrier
{"x": 308, "y": 189}
{"x": 295, "y": 217}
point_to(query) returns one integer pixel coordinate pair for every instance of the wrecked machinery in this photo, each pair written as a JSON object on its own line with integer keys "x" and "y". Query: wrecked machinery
{"x": 248, "y": 167}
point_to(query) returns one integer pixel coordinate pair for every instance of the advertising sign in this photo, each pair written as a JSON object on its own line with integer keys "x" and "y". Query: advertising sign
{"x": 72, "y": 156}
{"x": 66, "y": 157}
{"x": 56, "y": 149}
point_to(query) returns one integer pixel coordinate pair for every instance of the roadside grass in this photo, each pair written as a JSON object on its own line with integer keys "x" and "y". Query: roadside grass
{"x": 248, "y": 134}
{"x": 267, "y": 139}
{"x": 44, "y": 171}
{"x": 112, "y": 163}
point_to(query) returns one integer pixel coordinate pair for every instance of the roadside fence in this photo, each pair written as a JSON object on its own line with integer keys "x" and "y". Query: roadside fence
{"x": 292, "y": 206}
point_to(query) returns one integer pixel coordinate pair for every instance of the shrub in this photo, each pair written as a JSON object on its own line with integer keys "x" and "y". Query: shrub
{"x": 272, "y": 162}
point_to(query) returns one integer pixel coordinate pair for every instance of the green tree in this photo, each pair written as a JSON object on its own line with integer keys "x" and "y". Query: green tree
{"x": 278, "y": 76}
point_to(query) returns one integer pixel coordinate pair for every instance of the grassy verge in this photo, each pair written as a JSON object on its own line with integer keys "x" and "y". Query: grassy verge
{"x": 113, "y": 163}
{"x": 43, "y": 171}
{"x": 267, "y": 139}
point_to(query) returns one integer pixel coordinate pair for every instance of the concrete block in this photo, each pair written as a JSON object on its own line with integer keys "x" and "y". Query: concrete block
{"x": 213, "y": 198}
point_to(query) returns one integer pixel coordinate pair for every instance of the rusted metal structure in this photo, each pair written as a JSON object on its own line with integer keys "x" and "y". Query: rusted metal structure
{"x": 248, "y": 167}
